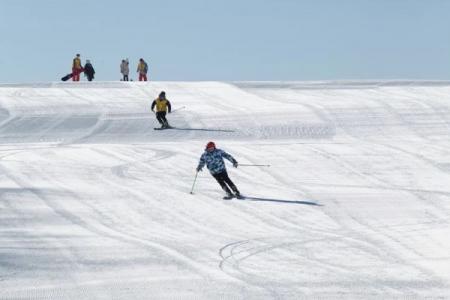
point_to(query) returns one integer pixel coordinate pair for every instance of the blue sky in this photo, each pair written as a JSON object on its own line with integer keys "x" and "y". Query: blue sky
{"x": 227, "y": 40}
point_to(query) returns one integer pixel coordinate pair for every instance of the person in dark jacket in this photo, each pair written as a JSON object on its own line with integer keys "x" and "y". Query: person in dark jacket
{"x": 89, "y": 70}
{"x": 162, "y": 107}
{"x": 213, "y": 158}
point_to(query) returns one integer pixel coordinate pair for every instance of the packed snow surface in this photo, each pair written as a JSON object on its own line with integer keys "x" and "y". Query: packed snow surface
{"x": 95, "y": 204}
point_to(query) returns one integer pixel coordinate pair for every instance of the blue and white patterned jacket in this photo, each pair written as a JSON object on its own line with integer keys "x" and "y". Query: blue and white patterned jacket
{"x": 214, "y": 161}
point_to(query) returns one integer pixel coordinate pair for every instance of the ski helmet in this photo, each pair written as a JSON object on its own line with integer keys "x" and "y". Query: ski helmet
{"x": 210, "y": 146}
{"x": 162, "y": 95}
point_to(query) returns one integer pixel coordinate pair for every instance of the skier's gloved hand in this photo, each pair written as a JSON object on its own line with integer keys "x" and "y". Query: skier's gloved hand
{"x": 199, "y": 169}
{"x": 235, "y": 164}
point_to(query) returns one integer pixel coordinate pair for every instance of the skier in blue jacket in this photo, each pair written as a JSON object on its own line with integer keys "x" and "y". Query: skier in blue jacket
{"x": 213, "y": 158}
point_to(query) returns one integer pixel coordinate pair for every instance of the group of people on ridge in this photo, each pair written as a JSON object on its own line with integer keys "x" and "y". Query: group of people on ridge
{"x": 142, "y": 69}
{"x": 77, "y": 69}
{"x": 212, "y": 157}
{"x": 88, "y": 69}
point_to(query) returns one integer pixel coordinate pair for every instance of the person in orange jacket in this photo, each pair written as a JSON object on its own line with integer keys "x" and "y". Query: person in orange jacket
{"x": 142, "y": 69}
{"x": 77, "y": 68}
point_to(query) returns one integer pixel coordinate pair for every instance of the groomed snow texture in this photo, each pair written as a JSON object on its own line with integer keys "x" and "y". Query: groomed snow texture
{"x": 95, "y": 204}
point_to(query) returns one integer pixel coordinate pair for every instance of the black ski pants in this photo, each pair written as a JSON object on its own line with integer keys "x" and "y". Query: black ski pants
{"x": 161, "y": 117}
{"x": 225, "y": 182}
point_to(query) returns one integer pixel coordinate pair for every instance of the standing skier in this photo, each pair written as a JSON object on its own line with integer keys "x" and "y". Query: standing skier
{"x": 124, "y": 69}
{"x": 162, "y": 106}
{"x": 142, "y": 69}
{"x": 89, "y": 70}
{"x": 76, "y": 68}
{"x": 213, "y": 158}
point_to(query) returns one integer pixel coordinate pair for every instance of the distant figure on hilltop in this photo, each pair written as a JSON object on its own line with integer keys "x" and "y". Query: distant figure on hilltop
{"x": 89, "y": 70}
{"x": 76, "y": 68}
{"x": 142, "y": 69}
{"x": 124, "y": 69}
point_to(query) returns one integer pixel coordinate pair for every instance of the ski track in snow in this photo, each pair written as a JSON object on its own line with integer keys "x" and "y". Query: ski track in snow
{"x": 95, "y": 204}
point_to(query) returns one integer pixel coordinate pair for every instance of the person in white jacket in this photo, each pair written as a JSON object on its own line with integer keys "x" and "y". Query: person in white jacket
{"x": 124, "y": 69}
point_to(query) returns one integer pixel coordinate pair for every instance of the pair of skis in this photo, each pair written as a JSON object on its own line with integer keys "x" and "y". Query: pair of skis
{"x": 170, "y": 127}
{"x": 164, "y": 128}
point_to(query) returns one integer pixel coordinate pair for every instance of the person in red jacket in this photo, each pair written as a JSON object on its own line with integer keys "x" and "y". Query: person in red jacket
{"x": 77, "y": 68}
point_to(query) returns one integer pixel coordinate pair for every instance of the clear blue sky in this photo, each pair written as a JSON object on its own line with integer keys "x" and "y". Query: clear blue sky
{"x": 227, "y": 39}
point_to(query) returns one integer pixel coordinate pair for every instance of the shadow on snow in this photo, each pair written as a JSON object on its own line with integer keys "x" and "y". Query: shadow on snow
{"x": 281, "y": 201}
{"x": 202, "y": 129}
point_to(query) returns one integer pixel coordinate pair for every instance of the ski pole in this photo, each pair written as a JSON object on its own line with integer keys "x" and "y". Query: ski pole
{"x": 195, "y": 179}
{"x": 179, "y": 108}
{"x": 251, "y": 165}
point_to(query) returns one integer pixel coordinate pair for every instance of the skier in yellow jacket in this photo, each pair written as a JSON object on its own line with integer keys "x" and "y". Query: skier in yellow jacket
{"x": 162, "y": 106}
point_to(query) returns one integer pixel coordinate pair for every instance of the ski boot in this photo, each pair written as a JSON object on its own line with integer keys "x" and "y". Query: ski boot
{"x": 238, "y": 195}
{"x": 229, "y": 194}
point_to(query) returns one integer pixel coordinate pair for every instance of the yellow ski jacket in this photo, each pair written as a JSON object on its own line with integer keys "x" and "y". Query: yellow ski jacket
{"x": 76, "y": 63}
{"x": 161, "y": 105}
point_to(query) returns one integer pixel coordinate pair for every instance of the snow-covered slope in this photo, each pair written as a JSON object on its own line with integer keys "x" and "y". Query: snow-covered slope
{"x": 95, "y": 204}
